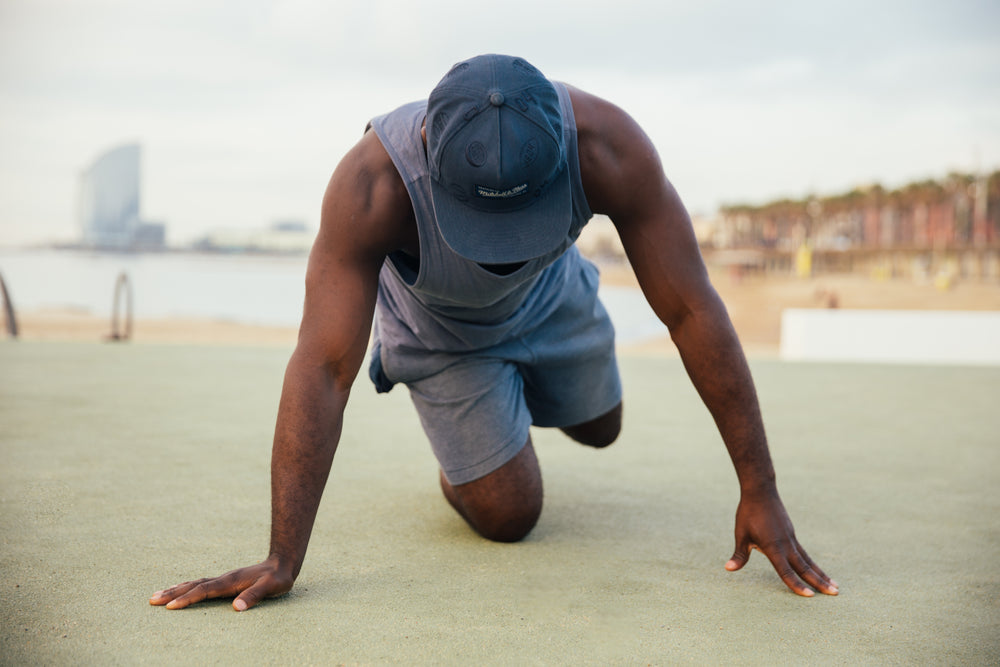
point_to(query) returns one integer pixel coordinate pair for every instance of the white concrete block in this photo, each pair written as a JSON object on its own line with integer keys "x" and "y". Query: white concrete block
{"x": 891, "y": 336}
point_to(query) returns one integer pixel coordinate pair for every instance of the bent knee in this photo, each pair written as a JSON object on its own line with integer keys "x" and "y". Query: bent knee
{"x": 600, "y": 432}
{"x": 507, "y": 519}
{"x": 510, "y": 526}
{"x": 505, "y": 505}
{"x": 600, "y": 439}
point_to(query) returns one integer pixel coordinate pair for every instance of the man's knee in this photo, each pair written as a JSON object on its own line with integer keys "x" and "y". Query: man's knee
{"x": 509, "y": 522}
{"x": 505, "y": 505}
{"x": 599, "y": 432}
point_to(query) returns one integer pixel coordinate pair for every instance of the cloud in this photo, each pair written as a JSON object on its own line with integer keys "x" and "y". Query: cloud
{"x": 245, "y": 107}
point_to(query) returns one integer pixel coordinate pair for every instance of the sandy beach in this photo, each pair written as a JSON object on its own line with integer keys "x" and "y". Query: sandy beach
{"x": 755, "y": 303}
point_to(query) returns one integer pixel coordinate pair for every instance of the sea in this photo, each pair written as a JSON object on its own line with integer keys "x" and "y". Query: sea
{"x": 242, "y": 288}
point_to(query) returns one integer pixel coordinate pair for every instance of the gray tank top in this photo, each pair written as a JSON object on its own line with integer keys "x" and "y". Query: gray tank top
{"x": 442, "y": 302}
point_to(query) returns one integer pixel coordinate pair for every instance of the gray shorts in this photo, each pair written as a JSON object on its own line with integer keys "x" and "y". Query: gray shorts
{"x": 477, "y": 410}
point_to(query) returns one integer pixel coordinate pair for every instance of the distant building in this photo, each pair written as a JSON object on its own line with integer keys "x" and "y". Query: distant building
{"x": 290, "y": 237}
{"x": 599, "y": 240}
{"x": 109, "y": 204}
{"x": 150, "y": 236}
{"x": 285, "y": 236}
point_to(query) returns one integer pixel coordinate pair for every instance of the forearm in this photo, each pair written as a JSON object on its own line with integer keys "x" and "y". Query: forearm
{"x": 715, "y": 362}
{"x": 310, "y": 417}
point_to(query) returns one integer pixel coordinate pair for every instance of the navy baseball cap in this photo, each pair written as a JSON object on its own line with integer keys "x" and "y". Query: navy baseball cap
{"x": 499, "y": 178}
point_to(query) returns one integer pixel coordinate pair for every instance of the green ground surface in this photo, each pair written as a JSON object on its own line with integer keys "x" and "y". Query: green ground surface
{"x": 128, "y": 468}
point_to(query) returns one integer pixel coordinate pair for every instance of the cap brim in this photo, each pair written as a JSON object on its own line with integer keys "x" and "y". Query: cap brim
{"x": 506, "y": 238}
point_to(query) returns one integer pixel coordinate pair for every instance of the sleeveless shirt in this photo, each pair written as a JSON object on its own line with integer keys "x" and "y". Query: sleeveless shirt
{"x": 442, "y": 304}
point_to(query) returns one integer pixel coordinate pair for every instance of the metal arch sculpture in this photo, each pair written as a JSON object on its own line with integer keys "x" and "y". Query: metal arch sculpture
{"x": 8, "y": 309}
{"x": 122, "y": 285}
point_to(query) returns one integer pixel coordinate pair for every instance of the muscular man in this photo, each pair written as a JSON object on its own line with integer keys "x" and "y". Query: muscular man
{"x": 452, "y": 222}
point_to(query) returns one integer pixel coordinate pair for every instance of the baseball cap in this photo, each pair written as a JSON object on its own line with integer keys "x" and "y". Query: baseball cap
{"x": 499, "y": 180}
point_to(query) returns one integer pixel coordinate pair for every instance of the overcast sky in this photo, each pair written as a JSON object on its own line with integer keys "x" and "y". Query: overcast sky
{"x": 243, "y": 108}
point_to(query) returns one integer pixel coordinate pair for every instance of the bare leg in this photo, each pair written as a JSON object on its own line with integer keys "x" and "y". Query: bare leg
{"x": 599, "y": 432}
{"x": 504, "y": 505}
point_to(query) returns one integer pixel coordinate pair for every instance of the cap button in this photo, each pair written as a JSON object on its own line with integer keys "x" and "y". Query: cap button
{"x": 496, "y": 99}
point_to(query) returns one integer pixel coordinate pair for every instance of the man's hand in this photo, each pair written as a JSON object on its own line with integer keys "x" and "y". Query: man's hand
{"x": 762, "y": 523}
{"x": 249, "y": 585}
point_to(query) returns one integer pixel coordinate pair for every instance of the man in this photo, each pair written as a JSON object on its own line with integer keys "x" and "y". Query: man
{"x": 453, "y": 222}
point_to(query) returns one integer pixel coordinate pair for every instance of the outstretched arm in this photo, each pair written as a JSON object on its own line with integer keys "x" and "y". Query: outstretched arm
{"x": 357, "y": 231}
{"x": 624, "y": 179}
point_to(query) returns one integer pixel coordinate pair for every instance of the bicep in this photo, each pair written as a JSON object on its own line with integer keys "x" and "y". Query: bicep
{"x": 630, "y": 186}
{"x": 356, "y": 232}
{"x": 337, "y": 314}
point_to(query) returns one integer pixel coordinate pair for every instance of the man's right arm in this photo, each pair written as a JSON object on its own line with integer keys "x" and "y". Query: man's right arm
{"x": 361, "y": 222}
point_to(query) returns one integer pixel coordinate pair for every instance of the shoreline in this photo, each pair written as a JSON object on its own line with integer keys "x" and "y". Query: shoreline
{"x": 68, "y": 325}
{"x": 754, "y": 302}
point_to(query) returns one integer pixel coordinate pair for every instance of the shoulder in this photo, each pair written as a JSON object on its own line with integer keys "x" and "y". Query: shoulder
{"x": 367, "y": 182}
{"x": 366, "y": 206}
{"x": 615, "y": 152}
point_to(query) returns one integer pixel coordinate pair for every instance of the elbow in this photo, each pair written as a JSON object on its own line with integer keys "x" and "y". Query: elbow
{"x": 324, "y": 374}
{"x": 675, "y": 320}
{"x": 698, "y": 322}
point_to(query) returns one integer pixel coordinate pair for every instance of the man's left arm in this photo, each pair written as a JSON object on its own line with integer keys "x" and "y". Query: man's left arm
{"x": 624, "y": 179}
